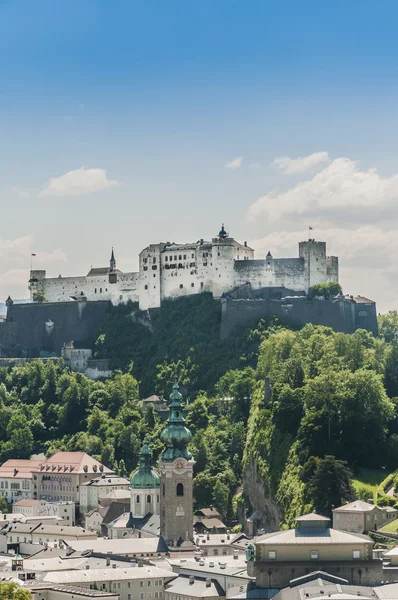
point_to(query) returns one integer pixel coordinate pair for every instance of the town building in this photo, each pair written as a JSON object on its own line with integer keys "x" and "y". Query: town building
{"x": 41, "y": 508}
{"x": 141, "y": 582}
{"x": 274, "y": 559}
{"x": 170, "y": 270}
{"x": 58, "y": 591}
{"x": 148, "y": 547}
{"x": 359, "y": 516}
{"x": 176, "y": 471}
{"x": 16, "y": 479}
{"x": 188, "y": 588}
{"x": 144, "y": 487}
{"x": 228, "y": 571}
{"x": 14, "y": 534}
{"x": 94, "y": 518}
{"x": 80, "y": 360}
{"x": 91, "y": 491}
{"x": 60, "y": 477}
{"x": 221, "y": 544}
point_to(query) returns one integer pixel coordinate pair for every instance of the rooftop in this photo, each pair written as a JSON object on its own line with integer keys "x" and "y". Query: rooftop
{"x": 26, "y": 502}
{"x": 71, "y": 462}
{"x": 308, "y": 537}
{"x": 106, "y": 479}
{"x": 138, "y": 546}
{"x": 356, "y": 506}
{"x": 311, "y": 517}
{"x": 196, "y": 588}
{"x": 99, "y": 575}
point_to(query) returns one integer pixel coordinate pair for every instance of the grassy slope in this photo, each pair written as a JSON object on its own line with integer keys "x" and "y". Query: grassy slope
{"x": 369, "y": 479}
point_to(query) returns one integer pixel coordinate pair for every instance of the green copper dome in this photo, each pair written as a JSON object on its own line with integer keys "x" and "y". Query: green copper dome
{"x": 176, "y": 435}
{"x": 145, "y": 477}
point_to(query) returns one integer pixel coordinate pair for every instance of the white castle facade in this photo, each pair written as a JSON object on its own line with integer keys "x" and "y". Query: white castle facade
{"x": 169, "y": 270}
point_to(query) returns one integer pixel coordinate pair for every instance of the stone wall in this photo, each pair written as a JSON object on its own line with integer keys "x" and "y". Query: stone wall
{"x": 34, "y": 328}
{"x": 340, "y": 315}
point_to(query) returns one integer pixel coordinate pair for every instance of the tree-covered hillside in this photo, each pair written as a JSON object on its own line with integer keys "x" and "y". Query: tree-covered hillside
{"x": 332, "y": 411}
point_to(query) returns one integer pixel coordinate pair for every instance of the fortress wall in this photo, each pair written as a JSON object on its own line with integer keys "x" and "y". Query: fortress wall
{"x": 60, "y": 289}
{"x": 275, "y": 272}
{"x": 25, "y": 332}
{"x": 332, "y": 268}
{"x": 338, "y": 315}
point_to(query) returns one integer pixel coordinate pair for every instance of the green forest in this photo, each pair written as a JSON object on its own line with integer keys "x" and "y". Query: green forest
{"x": 332, "y": 416}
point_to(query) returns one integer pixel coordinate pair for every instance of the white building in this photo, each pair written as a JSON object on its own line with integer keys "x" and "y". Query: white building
{"x": 169, "y": 270}
{"x": 91, "y": 491}
{"x": 131, "y": 583}
{"x": 16, "y": 479}
{"x": 41, "y": 508}
{"x": 60, "y": 477}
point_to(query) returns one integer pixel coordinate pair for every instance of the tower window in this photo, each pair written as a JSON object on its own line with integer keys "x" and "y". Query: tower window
{"x": 181, "y": 286}
{"x": 149, "y": 498}
{"x": 164, "y": 490}
{"x": 180, "y": 489}
{"x": 138, "y": 499}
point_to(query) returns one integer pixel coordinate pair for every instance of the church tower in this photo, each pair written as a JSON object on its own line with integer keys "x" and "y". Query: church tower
{"x": 144, "y": 486}
{"x": 112, "y": 269}
{"x": 176, "y": 469}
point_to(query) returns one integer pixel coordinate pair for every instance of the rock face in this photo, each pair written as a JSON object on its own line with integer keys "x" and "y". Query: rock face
{"x": 266, "y": 513}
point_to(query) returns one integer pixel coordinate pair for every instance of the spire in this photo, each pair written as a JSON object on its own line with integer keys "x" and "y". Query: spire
{"x": 145, "y": 476}
{"x": 176, "y": 435}
{"x": 112, "y": 262}
{"x": 222, "y": 232}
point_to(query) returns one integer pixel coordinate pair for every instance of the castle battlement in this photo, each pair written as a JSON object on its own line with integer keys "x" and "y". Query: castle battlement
{"x": 170, "y": 270}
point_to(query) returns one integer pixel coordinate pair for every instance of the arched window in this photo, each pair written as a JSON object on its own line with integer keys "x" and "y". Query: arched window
{"x": 180, "y": 489}
{"x": 138, "y": 500}
{"x": 149, "y": 498}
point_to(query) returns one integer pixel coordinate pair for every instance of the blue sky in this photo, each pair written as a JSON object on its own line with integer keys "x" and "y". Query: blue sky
{"x": 117, "y": 121}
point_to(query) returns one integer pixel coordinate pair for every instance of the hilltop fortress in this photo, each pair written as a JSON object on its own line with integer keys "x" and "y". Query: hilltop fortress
{"x": 169, "y": 270}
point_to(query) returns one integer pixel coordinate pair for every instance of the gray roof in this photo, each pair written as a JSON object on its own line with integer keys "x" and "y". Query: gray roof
{"x": 72, "y": 590}
{"x": 105, "y": 480}
{"x": 356, "y": 506}
{"x": 306, "y": 536}
{"x": 108, "y": 574}
{"x": 312, "y": 517}
{"x": 131, "y": 546}
{"x": 321, "y": 588}
{"x": 196, "y": 589}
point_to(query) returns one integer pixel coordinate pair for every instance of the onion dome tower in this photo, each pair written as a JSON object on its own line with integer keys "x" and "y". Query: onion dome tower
{"x": 176, "y": 470}
{"x": 144, "y": 486}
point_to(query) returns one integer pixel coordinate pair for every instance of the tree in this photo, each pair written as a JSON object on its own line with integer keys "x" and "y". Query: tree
{"x": 39, "y": 297}
{"x": 221, "y": 497}
{"x": 12, "y": 591}
{"x": 325, "y": 290}
{"x": 388, "y": 326}
{"x": 330, "y": 486}
{"x": 391, "y": 372}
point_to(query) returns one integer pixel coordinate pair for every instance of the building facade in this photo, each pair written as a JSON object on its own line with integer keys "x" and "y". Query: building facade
{"x": 359, "y": 516}
{"x": 176, "y": 471}
{"x": 91, "y": 491}
{"x": 17, "y": 480}
{"x": 169, "y": 270}
{"x": 40, "y": 508}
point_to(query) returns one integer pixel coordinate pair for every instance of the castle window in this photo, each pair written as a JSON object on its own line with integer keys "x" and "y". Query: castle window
{"x": 146, "y": 287}
{"x": 154, "y": 274}
{"x": 95, "y": 290}
{"x": 181, "y": 286}
{"x": 149, "y": 498}
{"x": 120, "y": 297}
{"x": 100, "y": 290}
{"x": 179, "y": 257}
{"x": 192, "y": 285}
{"x": 185, "y": 256}
{"x": 145, "y": 268}
{"x": 180, "y": 489}
{"x": 157, "y": 499}
{"x": 144, "y": 260}
{"x": 154, "y": 267}
{"x": 164, "y": 492}
{"x": 201, "y": 284}
{"x": 175, "y": 256}
{"x": 138, "y": 500}
{"x": 166, "y": 258}
{"x": 154, "y": 259}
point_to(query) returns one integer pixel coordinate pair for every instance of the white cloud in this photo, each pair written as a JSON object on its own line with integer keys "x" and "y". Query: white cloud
{"x": 340, "y": 185}
{"x": 303, "y": 164}
{"x": 78, "y": 182}
{"x": 15, "y": 257}
{"x": 236, "y": 163}
{"x": 22, "y": 193}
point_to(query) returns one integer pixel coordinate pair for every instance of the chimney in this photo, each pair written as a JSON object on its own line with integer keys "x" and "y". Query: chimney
{"x": 208, "y": 536}
{"x": 208, "y": 582}
{"x": 108, "y": 561}
{"x": 87, "y": 567}
{"x": 15, "y": 472}
{"x": 191, "y": 580}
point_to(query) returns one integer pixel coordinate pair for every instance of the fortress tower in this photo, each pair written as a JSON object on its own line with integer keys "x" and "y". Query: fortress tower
{"x": 223, "y": 254}
{"x": 176, "y": 469}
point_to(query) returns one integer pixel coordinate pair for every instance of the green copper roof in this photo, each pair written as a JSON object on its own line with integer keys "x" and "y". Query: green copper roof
{"x": 145, "y": 477}
{"x": 176, "y": 435}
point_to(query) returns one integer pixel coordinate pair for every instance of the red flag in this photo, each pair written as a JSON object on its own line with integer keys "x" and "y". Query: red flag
{"x": 310, "y": 228}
